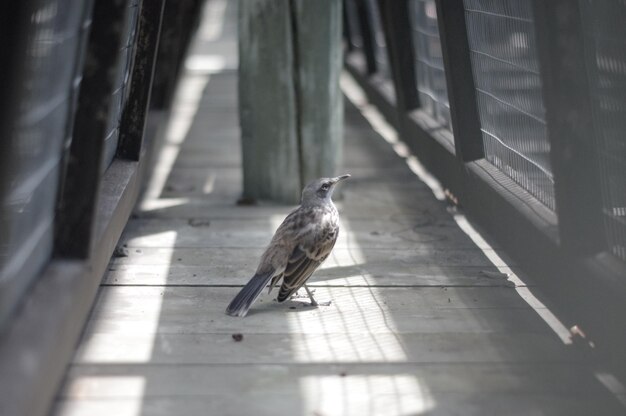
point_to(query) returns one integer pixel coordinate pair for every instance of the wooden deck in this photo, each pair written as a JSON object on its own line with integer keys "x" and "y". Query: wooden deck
{"x": 415, "y": 326}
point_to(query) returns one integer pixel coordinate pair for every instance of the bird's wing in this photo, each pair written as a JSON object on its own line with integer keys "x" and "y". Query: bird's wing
{"x": 299, "y": 269}
{"x": 301, "y": 265}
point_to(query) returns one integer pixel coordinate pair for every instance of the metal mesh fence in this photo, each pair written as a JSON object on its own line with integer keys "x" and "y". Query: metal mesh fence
{"x": 508, "y": 90}
{"x": 44, "y": 73}
{"x": 605, "y": 50}
{"x": 429, "y": 70}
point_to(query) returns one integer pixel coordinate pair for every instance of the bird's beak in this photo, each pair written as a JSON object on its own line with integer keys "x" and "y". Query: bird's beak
{"x": 341, "y": 178}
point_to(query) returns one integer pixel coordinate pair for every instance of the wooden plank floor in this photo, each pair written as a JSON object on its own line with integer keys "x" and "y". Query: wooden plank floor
{"x": 415, "y": 326}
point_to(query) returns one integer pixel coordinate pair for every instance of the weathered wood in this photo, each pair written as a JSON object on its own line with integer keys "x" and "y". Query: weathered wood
{"x": 290, "y": 102}
{"x": 267, "y": 102}
{"x": 452, "y": 389}
{"x": 394, "y": 233}
{"x": 133, "y": 123}
{"x": 77, "y": 205}
{"x": 360, "y": 200}
{"x": 196, "y": 310}
{"x": 568, "y": 99}
{"x": 373, "y": 395}
{"x": 224, "y": 181}
{"x": 367, "y": 35}
{"x": 103, "y": 382}
{"x": 396, "y": 21}
{"x": 468, "y": 139}
{"x": 320, "y": 101}
{"x": 226, "y": 268}
{"x": 298, "y": 347}
{"x": 242, "y": 260}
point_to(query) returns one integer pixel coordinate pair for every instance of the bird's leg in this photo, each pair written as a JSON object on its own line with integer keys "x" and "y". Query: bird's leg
{"x": 308, "y": 292}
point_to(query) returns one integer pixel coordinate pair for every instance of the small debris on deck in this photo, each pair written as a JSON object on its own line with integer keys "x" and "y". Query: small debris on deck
{"x": 199, "y": 222}
{"x": 120, "y": 252}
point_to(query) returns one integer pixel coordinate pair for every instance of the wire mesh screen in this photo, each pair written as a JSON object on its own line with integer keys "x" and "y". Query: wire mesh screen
{"x": 121, "y": 84}
{"x": 429, "y": 70}
{"x": 378, "y": 36}
{"x": 605, "y": 49}
{"x": 508, "y": 91}
{"x": 49, "y": 45}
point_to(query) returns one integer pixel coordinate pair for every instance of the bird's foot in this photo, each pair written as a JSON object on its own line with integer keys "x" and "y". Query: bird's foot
{"x": 310, "y": 293}
{"x": 298, "y": 296}
{"x": 313, "y": 301}
{"x": 315, "y": 304}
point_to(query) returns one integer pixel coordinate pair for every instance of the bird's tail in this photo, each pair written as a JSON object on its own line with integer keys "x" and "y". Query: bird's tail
{"x": 245, "y": 298}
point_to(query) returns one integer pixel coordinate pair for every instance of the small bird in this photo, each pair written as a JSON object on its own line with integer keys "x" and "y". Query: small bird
{"x": 301, "y": 243}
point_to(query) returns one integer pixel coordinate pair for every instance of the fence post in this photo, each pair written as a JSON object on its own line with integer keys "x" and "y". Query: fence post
{"x": 78, "y": 201}
{"x": 560, "y": 43}
{"x": 365, "y": 23}
{"x": 397, "y": 27}
{"x": 468, "y": 141}
{"x": 133, "y": 121}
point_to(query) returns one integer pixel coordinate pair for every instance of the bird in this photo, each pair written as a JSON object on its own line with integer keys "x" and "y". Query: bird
{"x": 300, "y": 244}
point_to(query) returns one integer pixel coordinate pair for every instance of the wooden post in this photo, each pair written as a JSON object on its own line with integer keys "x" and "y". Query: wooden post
{"x": 136, "y": 110}
{"x": 290, "y": 104}
{"x": 75, "y": 221}
{"x": 398, "y": 36}
{"x": 367, "y": 33}
{"x": 577, "y": 191}
{"x": 468, "y": 139}
{"x": 317, "y": 47}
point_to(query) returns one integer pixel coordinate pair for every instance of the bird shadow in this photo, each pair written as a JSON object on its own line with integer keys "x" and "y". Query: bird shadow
{"x": 299, "y": 303}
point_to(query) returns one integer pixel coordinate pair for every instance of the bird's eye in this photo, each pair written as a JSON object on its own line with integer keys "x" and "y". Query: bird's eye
{"x": 325, "y": 187}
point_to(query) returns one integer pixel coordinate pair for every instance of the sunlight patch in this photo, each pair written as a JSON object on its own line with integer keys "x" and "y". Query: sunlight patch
{"x": 158, "y": 204}
{"x": 361, "y": 329}
{"x": 89, "y": 387}
{"x": 398, "y": 394}
{"x": 185, "y": 105}
{"x": 102, "y": 341}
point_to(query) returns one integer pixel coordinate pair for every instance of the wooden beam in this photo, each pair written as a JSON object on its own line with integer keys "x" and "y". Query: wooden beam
{"x": 290, "y": 104}
{"x": 320, "y": 101}
{"x": 133, "y": 123}
{"x": 468, "y": 141}
{"x": 367, "y": 28}
{"x": 267, "y": 102}
{"x": 560, "y": 39}
{"x": 78, "y": 201}
{"x": 347, "y": 30}
{"x": 399, "y": 39}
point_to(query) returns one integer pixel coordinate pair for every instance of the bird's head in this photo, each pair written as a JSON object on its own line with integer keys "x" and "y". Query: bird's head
{"x": 321, "y": 189}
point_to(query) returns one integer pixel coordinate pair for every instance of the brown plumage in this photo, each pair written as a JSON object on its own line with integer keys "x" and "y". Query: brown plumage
{"x": 301, "y": 243}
